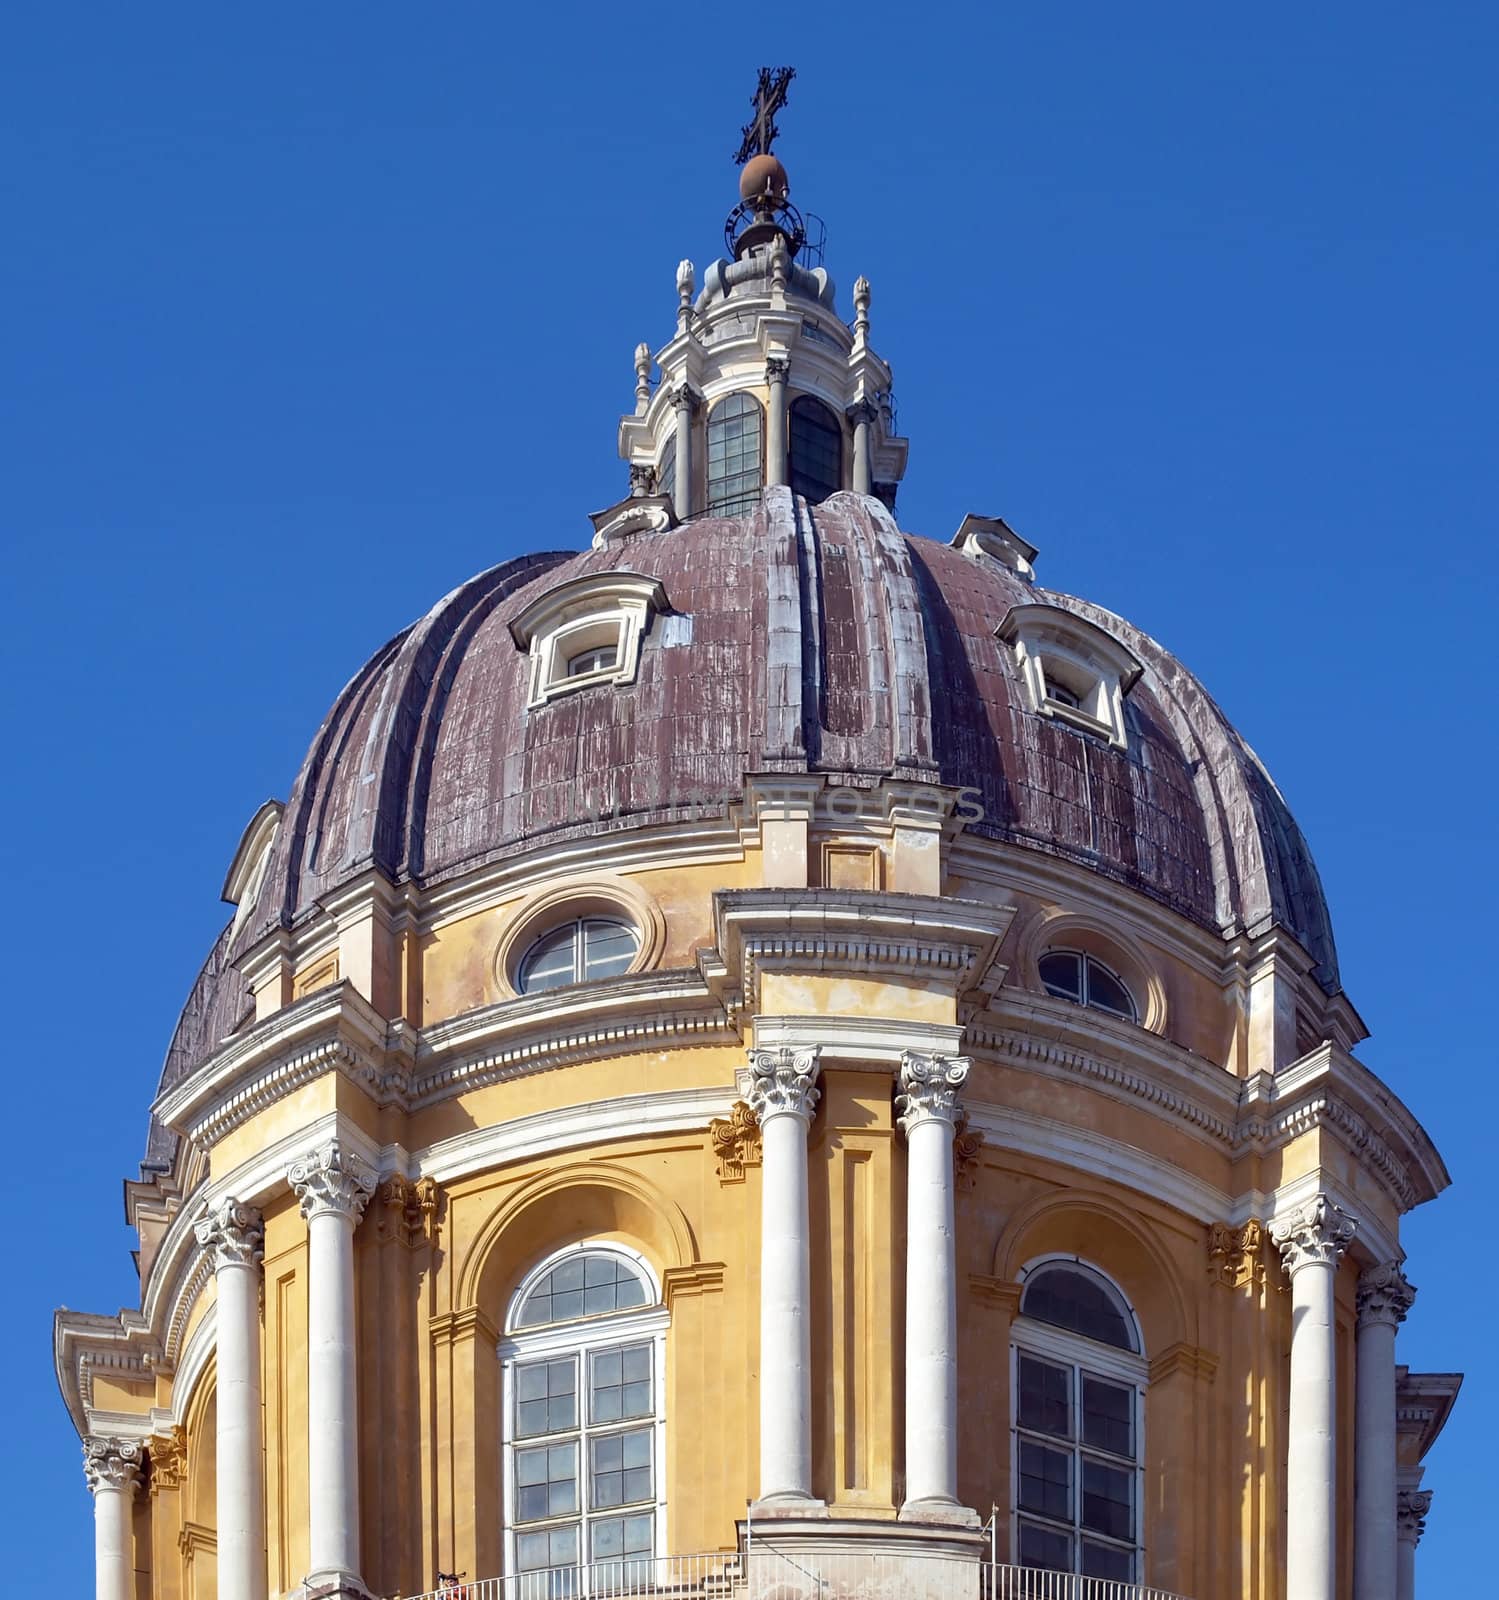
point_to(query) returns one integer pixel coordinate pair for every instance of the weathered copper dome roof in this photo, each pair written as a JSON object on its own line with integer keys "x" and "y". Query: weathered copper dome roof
{"x": 818, "y": 642}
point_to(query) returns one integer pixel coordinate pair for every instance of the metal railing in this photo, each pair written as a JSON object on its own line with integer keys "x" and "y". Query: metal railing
{"x": 764, "y": 1572}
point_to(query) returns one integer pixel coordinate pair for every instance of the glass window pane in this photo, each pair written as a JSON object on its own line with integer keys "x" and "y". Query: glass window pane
{"x": 608, "y": 948}
{"x": 1045, "y": 1481}
{"x": 1106, "y": 993}
{"x": 1107, "y": 1561}
{"x": 1108, "y": 1416}
{"x": 1048, "y": 1548}
{"x": 567, "y": 1275}
{"x": 637, "y": 1362}
{"x": 1062, "y": 974}
{"x": 1045, "y": 1397}
{"x": 550, "y": 962}
{"x": 1108, "y": 1500}
{"x": 816, "y": 450}
{"x": 1071, "y": 1299}
{"x": 621, "y": 1469}
{"x": 734, "y": 455}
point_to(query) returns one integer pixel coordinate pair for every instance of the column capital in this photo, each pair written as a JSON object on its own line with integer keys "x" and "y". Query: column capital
{"x": 929, "y": 1086}
{"x": 1385, "y": 1294}
{"x": 332, "y": 1179}
{"x": 862, "y": 411}
{"x": 1411, "y": 1507}
{"x": 777, "y": 369}
{"x": 168, "y": 1459}
{"x": 112, "y": 1463}
{"x": 1315, "y": 1233}
{"x": 684, "y": 395}
{"x": 234, "y": 1232}
{"x": 783, "y": 1082}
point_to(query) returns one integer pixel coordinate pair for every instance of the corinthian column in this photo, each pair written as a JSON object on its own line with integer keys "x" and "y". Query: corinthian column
{"x": 113, "y": 1470}
{"x": 333, "y": 1185}
{"x": 928, "y": 1109}
{"x": 236, "y": 1235}
{"x": 1411, "y": 1506}
{"x": 783, "y": 1094}
{"x": 1312, "y": 1239}
{"x": 1384, "y": 1297}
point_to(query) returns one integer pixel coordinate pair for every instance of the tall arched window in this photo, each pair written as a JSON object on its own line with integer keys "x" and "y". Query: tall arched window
{"x": 584, "y": 1366}
{"x": 666, "y": 474}
{"x": 1079, "y": 1388}
{"x": 736, "y": 455}
{"x": 816, "y": 450}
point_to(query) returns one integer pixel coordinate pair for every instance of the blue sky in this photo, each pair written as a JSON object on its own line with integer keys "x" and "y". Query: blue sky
{"x": 309, "y": 313}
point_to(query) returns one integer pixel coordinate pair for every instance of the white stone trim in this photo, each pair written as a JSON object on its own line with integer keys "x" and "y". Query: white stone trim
{"x": 596, "y": 609}
{"x": 858, "y": 1041}
{"x": 1051, "y": 643}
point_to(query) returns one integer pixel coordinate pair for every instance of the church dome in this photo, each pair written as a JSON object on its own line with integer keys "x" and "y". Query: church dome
{"x": 791, "y": 640}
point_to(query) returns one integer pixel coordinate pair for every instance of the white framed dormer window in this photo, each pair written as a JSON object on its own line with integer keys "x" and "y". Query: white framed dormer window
{"x": 1071, "y": 669}
{"x": 587, "y": 632}
{"x": 1078, "y": 1384}
{"x": 583, "y": 1378}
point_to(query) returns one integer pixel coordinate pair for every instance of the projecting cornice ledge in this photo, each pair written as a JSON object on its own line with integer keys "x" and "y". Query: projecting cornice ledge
{"x": 839, "y": 932}
{"x": 1328, "y": 1089}
{"x": 336, "y": 1030}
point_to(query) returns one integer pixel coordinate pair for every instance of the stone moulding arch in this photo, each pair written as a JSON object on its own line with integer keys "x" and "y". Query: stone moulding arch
{"x": 580, "y": 896}
{"x": 1158, "y": 1300}
{"x": 1056, "y": 928}
{"x": 585, "y": 1196}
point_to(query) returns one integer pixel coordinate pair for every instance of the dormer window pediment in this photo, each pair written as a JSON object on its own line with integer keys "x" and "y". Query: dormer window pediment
{"x": 587, "y": 632}
{"x": 1070, "y": 669}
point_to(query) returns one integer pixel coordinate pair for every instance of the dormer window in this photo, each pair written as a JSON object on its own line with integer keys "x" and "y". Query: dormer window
{"x": 1070, "y": 669}
{"x": 587, "y": 632}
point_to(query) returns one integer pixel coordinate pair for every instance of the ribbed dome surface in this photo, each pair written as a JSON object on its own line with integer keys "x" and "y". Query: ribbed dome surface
{"x": 825, "y": 641}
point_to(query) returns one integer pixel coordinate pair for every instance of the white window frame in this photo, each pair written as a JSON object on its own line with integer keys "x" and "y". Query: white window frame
{"x": 595, "y": 611}
{"x": 578, "y": 925}
{"x": 582, "y": 1336}
{"x": 1051, "y": 643}
{"x": 1060, "y": 1346}
{"x": 1086, "y": 956}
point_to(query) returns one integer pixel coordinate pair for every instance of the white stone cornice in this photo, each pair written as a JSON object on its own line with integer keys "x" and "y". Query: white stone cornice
{"x": 234, "y": 1232}
{"x": 1384, "y": 1294}
{"x": 858, "y": 1041}
{"x": 113, "y": 1463}
{"x": 334, "y": 1030}
{"x": 783, "y": 1082}
{"x": 537, "y": 1033}
{"x": 332, "y": 1179}
{"x": 940, "y": 940}
{"x": 1315, "y": 1233}
{"x": 669, "y": 1112}
{"x": 929, "y": 1089}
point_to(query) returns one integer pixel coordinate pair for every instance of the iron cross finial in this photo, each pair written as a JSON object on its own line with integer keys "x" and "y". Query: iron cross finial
{"x": 769, "y": 97}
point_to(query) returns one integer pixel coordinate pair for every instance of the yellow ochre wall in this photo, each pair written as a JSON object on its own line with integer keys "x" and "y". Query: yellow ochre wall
{"x": 431, "y": 1304}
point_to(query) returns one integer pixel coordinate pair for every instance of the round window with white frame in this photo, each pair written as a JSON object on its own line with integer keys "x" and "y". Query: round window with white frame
{"x": 581, "y": 951}
{"x": 1078, "y": 1382}
{"x": 583, "y": 1375}
{"x": 1082, "y": 978}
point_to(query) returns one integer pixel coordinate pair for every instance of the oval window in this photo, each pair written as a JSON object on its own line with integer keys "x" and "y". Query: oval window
{"x": 581, "y": 951}
{"x": 1083, "y": 979}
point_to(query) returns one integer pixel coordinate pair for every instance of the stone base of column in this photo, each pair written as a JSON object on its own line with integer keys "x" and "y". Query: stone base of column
{"x": 333, "y": 1586}
{"x": 941, "y": 1513}
{"x": 784, "y": 1506}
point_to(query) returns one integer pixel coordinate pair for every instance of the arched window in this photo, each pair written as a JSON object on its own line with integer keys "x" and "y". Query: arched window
{"x": 577, "y": 952}
{"x": 736, "y": 455}
{"x": 1086, "y": 981}
{"x": 584, "y": 1365}
{"x": 816, "y": 450}
{"x": 666, "y": 474}
{"x": 1079, "y": 1386}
